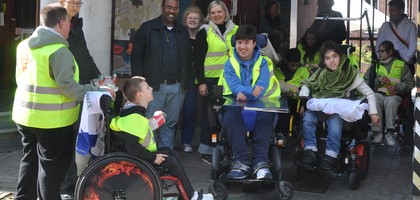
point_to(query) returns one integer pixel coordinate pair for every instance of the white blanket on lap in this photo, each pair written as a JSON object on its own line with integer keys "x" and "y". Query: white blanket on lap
{"x": 348, "y": 110}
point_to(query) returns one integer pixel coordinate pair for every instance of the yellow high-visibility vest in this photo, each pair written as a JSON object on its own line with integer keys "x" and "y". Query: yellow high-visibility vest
{"x": 273, "y": 90}
{"x": 38, "y": 101}
{"x": 136, "y": 125}
{"x": 218, "y": 53}
{"x": 294, "y": 83}
{"x": 394, "y": 75}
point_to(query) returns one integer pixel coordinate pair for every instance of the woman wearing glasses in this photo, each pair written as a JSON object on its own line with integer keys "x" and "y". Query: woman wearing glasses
{"x": 87, "y": 71}
{"x": 193, "y": 19}
{"x": 393, "y": 80}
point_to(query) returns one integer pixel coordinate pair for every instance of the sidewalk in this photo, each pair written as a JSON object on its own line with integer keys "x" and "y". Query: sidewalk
{"x": 390, "y": 177}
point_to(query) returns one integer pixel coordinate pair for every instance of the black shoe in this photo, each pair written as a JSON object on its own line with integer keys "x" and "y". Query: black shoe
{"x": 206, "y": 158}
{"x": 327, "y": 163}
{"x": 309, "y": 158}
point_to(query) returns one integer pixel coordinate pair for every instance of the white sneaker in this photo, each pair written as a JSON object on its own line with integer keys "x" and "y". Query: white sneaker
{"x": 389, "y": 138}
{"x": 204, "y": 196}
{"x": 188, "y": 148}
{"x": 377, "y": 137}
{"x": 263, "y": 173}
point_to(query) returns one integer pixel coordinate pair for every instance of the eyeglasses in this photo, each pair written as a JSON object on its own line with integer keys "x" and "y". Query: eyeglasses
{"x": 175, "y": 9}
{"x": 193, "y": 18}
{"x": 75, "y": 4}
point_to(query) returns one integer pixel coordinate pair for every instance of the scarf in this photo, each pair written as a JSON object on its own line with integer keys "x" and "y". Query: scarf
{"x": 325, "y": 83}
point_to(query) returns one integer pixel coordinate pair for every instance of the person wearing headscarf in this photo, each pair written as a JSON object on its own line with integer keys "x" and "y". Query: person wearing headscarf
{"x": 334, "y": 80}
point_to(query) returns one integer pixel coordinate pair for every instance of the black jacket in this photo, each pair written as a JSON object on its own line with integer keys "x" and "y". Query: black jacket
{"x": 334, "y": 30}
{"x": 78, "y": 47}
{"x": 146, "y": 57}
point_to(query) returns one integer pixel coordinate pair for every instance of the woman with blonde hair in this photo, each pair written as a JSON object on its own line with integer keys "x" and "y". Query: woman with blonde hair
{"x": 213, "y": 50}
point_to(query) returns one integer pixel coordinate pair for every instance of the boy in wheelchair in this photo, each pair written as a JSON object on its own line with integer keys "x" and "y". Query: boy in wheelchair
{"x": 335, "y": 80}
{"x": 248, "y": 76}
{"x": 133, "y": 128}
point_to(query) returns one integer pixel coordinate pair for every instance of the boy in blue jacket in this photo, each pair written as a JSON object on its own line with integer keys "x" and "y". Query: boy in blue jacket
{"x": 248, "y": 76}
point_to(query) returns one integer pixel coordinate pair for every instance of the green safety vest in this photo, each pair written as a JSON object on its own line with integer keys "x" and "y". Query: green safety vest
{"x": 138, "y": 126}
{"x": 273, "y": 90}
{"x": 309, "y": 64}
{"x": 294, "y": 83}
{"x": 394, "y": 75}
{"x": 217, "y": 53}
{"x": 38, "y": 101}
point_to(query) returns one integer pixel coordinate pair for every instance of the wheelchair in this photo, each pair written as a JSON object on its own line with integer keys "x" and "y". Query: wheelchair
{"x": 118, "y": 175}
{"x": 222, "y": 160}
{"x": 405, "y": 124}
{"x": 354, "y": 155}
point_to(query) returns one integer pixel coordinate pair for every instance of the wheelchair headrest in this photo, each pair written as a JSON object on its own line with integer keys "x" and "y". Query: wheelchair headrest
{"x": 261, "y": 40}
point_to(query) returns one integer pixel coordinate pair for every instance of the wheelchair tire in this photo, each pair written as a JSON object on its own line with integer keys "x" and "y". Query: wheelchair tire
{"x": 118, "y": 176}
{"x": 354, "y": 180}
{"x": 283, "y": 191}
{"x": 364, "y": 160}
{"x": 219, "y": 191}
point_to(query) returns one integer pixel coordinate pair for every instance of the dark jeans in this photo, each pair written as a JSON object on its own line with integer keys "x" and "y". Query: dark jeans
{"x": 46, "y": 157}
{"x": 188, "y": 115}
{"x": 69, "y": 182}
{"x": 176, "y": 168}
{"x": 235, "y": 128}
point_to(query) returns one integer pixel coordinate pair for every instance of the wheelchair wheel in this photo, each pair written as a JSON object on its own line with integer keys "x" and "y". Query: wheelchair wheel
{"x": 118, "y": 176}
{"x": 363, "y": 160}
{"x": 283, "y": 191}
{"x": 219, "y": 191}
{"x": 354, "y": 180}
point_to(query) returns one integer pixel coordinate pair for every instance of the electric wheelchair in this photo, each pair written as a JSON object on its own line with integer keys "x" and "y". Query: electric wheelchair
{"x": 222, "y": 155}
{"x": 354, "y": 155}
{"x": 118, "y": 175}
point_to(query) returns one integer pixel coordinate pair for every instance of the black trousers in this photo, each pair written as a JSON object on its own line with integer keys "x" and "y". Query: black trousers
{"x": 46, "y": 157}
{"x": 175, "y": 167}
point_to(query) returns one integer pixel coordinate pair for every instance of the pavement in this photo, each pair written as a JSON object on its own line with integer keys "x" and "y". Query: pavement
{"x": 389, "y": 177}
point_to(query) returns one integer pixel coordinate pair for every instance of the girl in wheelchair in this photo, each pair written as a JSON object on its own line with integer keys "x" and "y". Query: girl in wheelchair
{"x": 335, "y": 80}
{"x": 133, "y": 128}
{"x": 392, "y": 82}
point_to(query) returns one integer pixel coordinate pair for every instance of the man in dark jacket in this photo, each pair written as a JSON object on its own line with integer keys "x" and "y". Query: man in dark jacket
{"x": 334, "y": 30}
{"x": 162, "y": 54}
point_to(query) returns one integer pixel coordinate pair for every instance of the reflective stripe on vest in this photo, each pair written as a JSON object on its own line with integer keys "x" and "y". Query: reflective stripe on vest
{"x": 394, "y": 75}
{"x": 217, "y": 53}
{"x": 38, "y": 101}
{"x": 273, "y": 90}
{"x": 136, "y": 125}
